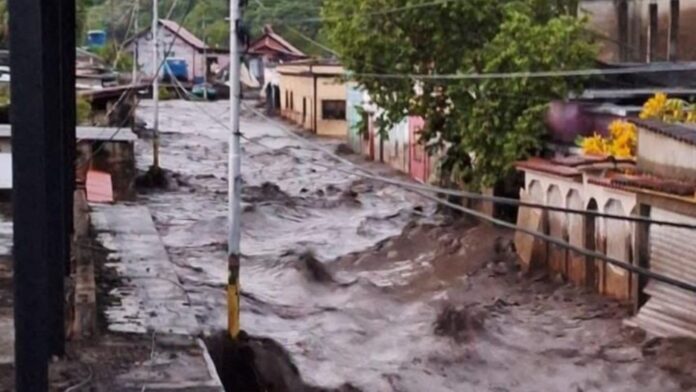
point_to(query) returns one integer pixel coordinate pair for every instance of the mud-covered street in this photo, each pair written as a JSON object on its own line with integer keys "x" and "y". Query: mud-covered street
{"x": 367, "y": 287}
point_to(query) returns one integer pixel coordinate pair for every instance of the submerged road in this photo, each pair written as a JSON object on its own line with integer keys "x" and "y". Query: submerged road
{"x": 405, "y": 300}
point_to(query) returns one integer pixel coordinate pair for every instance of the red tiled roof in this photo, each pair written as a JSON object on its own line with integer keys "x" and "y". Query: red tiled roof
{"x": 582, "y": 160}
{"x": 651, "y": 183}
{"x": 275, "y": 42}
{"x": 549, "y": 167}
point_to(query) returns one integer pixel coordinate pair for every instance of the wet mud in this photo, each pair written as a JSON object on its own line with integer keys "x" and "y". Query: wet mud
{"x": 352, "y": 284}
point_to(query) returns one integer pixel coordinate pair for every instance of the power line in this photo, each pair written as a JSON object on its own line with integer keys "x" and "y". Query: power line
{"x": 311, "y": 40}
{"x": 446, "y": 191}
{"x": 472, "y": 195}
{"x": 372, "y": 13}
{"x": 531, "y": 74}
{"x": 593, "y": 254}
{"x": 126, "y": 91}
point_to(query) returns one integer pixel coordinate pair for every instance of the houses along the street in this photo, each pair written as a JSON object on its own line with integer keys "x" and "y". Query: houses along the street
{"x": 656, "y": 181}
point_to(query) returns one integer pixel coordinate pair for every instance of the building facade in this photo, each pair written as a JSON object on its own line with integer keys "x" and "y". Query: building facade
{"x": 422, "y": 165}
{"x": 313, "y": 96}
{"x": 199, "y": 57}
{"x": 356, "y": 121}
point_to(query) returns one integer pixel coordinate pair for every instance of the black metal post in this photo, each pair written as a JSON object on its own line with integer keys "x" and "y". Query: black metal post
{"x": 673, "y": 44}
{"x": 66, "y": 141}
{"x": 39, "y": 115}
{"x": 652, "y": 32}
{"x": 622, "y": 11}
{"x": 642, "y": 258}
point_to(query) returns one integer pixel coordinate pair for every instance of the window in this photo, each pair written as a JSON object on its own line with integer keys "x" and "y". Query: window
{"x": 287, "y": 100}
{"x": 292, "y": 101}
{"x": 333, "y": 110}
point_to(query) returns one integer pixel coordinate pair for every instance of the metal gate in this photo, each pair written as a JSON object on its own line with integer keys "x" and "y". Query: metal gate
{"x": 670, "y": 311}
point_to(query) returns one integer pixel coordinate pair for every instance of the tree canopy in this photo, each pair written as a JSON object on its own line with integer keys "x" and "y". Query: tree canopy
{"x": 481, "y": 126}
{"x": 206, "y": 18}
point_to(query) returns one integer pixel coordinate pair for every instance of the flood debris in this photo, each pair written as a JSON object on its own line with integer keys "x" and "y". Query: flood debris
{"x": 460, "y": 323}
{"x": 257, "y": 364}
{"x": 153, "y": 178}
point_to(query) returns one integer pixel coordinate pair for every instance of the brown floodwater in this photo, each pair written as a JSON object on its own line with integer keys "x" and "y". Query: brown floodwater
{"x": 365, "y": 287}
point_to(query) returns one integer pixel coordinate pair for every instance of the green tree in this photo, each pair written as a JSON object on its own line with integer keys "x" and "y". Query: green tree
{"x": 482, "y": 126}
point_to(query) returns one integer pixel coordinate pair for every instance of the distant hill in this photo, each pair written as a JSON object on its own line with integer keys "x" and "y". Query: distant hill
{"x": 206, "y": 18}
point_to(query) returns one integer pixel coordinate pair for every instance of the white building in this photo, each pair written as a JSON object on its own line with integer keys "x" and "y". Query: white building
{"x": 198, "y": 56}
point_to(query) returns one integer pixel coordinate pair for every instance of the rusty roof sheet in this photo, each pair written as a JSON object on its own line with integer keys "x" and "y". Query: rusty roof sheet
{"x": 99, "y": 188}
{"x": 546, "y": 166}
{"x": 276, "y": 42}
{"x": 184, "y": 34}
{"x": 681, "y": 132}
{"x": 672, "y": 187}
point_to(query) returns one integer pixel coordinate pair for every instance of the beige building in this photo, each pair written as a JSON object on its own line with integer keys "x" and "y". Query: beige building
{"x": 313, "y": 96}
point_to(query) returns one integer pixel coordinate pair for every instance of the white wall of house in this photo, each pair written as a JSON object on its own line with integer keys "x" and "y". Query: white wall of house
{"x": 179, "y": 49}
{"x": 613, "y": 238}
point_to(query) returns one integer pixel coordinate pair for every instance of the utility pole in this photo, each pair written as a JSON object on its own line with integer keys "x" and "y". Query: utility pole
{"x": 234, "y": 176}
{"x": 134, "y": 76}
{"x": 205, "y": 59}
{"x": 155, "y": 82}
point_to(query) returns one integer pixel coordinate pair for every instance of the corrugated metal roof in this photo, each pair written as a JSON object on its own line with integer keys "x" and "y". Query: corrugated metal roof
{"x": 670, "y": 311}
{"x": 99, "y": 187}
{"x": 184, "y": 34}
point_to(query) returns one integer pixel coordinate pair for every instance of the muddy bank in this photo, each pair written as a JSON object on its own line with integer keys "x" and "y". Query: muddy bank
{"x": 393, "y": 297}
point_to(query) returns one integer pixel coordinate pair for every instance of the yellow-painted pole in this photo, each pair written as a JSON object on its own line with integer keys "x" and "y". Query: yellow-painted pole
{"x": 234, "y": 174}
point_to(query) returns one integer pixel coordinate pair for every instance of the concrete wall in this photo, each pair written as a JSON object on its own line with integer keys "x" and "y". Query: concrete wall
{"x": 665, "y": 156}
{"x": 330, "y": 88}
{"x": 297, "y": 100}
{"x": 354, "y": 99}
{"x": 395, "y": 150}
{"x": 612, "y": 237}
{"x": 603, "y": 18}
{"x": 115, "y": 158}
{"x": 422, "y": 166}
{"x": 298, "y": 104}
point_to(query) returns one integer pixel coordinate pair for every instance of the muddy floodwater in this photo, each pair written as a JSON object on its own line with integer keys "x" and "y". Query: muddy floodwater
{"x": 366, "y": 286}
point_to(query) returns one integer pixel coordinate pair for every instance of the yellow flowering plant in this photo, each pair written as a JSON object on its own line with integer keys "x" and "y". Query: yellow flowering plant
{"x": 621, "y": 142}
{"x": 671, "y": 110}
